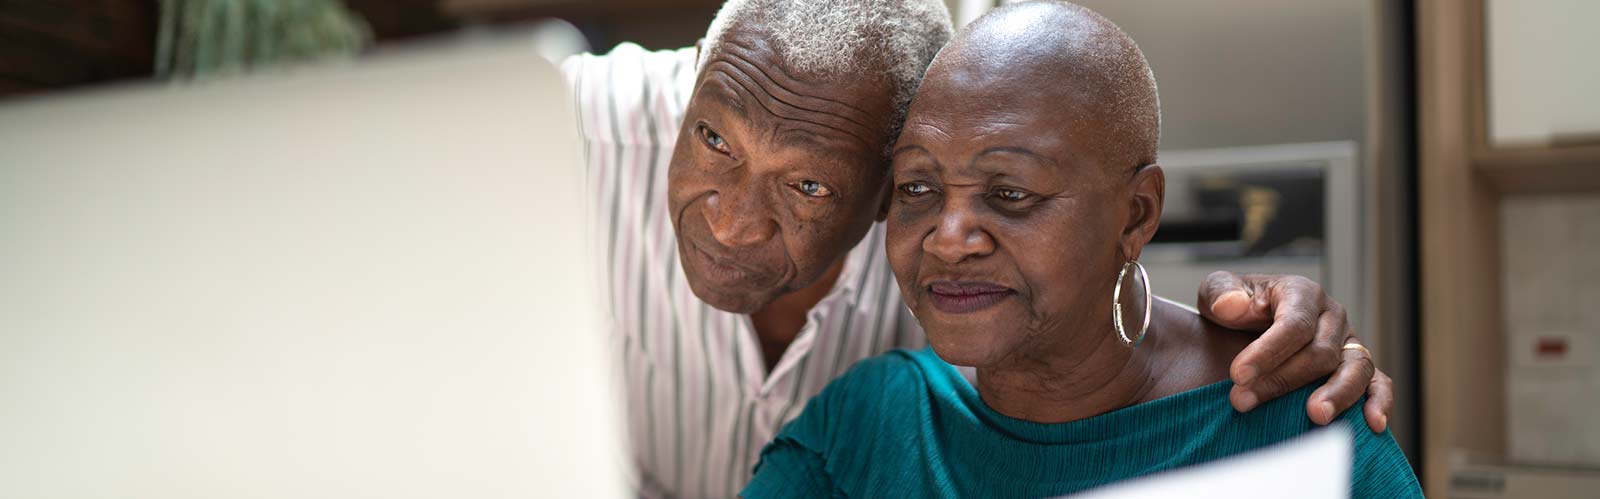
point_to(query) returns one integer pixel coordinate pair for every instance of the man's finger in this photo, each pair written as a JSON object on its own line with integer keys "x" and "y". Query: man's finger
{"x": 1230, "y": 300}
{"x": 1294, "y": 328}
{"x": 1380, "y": 402}
{"x": 1300, "y": 370}
{"x": 1343, "y": 389}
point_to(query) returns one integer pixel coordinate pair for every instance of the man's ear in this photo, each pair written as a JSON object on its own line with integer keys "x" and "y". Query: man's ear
{"x": 699, "y": 45}
{"x": 1144, "y": 209}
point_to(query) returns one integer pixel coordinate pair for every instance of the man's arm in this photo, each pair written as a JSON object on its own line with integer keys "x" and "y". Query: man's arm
{"x": 629, "y": 97}
{"x": 1304, "y": 334}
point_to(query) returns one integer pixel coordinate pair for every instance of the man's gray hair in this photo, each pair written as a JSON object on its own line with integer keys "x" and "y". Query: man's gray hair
{"x": 838, "y": 38}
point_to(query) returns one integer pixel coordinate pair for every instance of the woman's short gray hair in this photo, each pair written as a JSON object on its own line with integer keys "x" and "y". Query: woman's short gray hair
{"x": 842, "y": 37}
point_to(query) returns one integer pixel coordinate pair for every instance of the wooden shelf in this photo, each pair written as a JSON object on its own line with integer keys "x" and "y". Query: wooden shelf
{"x": 1551, "y": 170}
{"x": 1462, "y": 183}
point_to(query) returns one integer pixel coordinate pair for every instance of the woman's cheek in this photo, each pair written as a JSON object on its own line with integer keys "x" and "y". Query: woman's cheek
{"x": 903, "y": 246}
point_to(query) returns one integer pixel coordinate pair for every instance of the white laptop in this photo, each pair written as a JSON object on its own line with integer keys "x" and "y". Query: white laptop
{"x": 354, "y": 280}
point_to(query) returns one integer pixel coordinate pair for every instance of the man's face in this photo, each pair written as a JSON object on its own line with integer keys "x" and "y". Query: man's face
{"x": 775, "y": 175}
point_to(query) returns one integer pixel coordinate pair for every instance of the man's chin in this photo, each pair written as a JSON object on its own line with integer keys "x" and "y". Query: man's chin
{"x": 732, "y": 301}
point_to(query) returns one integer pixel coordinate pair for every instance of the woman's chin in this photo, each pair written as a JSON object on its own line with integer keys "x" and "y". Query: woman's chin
{"x": 968, "y": 349}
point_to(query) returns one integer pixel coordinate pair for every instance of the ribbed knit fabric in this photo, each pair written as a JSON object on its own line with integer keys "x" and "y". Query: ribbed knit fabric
{"x": 906, "y": 424}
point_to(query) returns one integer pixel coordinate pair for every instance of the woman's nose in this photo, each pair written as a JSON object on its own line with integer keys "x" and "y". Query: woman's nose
{"x": 958, "y": 235}
{"x": 738, "y": 219}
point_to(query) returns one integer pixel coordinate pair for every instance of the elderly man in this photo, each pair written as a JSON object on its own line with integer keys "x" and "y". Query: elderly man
{"x": 738, "y": 189}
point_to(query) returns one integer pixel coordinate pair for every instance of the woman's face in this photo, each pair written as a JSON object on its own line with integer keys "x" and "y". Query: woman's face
{"x": 1005, "y": 222}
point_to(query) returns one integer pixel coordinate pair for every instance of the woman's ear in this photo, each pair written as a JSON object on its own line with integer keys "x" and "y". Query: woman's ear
{"x": 1144, "y": 213}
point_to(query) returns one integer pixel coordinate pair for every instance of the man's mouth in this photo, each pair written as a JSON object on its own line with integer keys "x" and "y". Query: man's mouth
{"x": 961, "y": 297}
{"x": 725, "y": 271}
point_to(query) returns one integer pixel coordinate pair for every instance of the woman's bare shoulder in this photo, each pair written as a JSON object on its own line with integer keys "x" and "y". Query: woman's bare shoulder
{"x": 1198, "y": 350}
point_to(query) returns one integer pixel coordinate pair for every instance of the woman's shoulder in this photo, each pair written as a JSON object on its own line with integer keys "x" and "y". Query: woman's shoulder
{"x": 1196, "y": 352}
{"x": 1378, "y": 467}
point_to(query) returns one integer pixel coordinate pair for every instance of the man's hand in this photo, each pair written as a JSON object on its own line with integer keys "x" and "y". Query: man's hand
{"x": 1304, "y": 336}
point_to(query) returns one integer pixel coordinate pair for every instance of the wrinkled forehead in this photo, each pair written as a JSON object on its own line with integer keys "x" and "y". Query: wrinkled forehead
{"x": 748, "y": 74}
{"x": 866, "y": 89}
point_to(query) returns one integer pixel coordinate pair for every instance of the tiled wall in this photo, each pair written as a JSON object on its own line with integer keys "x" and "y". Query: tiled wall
{"x": 1551, "y": 273}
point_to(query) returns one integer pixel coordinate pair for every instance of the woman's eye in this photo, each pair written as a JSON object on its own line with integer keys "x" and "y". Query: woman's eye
{"x": 713, "y": 140}
{"x": 812, "y": 188}
{"x": 914, "y": 189}
{"x": 1010, "y": 194}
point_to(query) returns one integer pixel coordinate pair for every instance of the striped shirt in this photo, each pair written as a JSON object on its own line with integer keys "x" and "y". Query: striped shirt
{"x": 700, "y": 402}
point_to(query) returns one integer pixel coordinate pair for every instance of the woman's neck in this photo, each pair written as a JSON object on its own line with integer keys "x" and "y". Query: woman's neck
{"x": 1087, "y": 375}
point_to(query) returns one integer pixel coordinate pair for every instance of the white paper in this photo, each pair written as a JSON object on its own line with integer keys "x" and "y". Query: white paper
{"x": 1315, "y": 466}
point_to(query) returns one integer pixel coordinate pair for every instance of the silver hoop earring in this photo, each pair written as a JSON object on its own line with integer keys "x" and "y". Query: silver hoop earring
{"x": 1116, "y": 305}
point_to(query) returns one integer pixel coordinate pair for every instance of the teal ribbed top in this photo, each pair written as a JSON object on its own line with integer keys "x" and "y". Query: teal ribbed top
{"x": 906, "y": 424}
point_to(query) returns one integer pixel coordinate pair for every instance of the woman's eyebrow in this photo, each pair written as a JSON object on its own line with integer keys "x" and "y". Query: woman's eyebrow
{"x": 918, "y": 166}
{"x": 905, "y": 149}
{"x": 1023, "y": 151}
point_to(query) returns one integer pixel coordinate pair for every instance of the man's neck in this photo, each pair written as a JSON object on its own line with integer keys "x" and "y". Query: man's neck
{"x": 1081, "y": 379}
{"x": 778, "y": 323}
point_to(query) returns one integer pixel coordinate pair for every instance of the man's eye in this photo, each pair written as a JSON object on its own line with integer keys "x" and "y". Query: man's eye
{"x": 812, "y": 188}
{"x": 712, "y": 140}
{"x": 914, "y": 189}
{"x": 1010, "y": 194}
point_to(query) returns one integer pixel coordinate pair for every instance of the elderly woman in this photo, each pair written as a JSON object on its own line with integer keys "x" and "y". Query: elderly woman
{"x": 1024, "y": 190}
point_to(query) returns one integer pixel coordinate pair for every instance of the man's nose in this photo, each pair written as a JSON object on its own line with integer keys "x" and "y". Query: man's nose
{"x": 958, "y": 235}
{"x": 738, "y": 219}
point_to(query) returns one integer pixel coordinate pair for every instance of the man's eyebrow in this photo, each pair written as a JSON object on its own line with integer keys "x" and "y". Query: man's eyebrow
{"x": 800, "y": 137}
{"x": 726, "y": 95}
{"x": 1015, "y": 150}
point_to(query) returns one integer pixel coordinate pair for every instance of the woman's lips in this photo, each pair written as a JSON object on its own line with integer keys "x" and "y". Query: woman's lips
{"x": 961, "y": 297}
